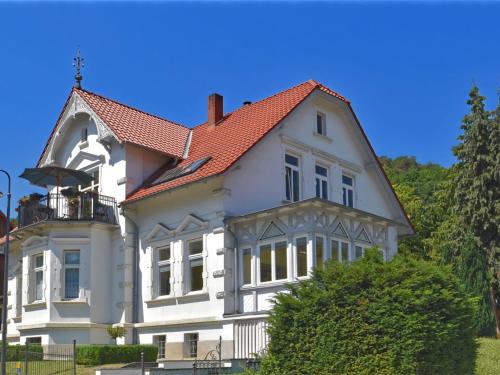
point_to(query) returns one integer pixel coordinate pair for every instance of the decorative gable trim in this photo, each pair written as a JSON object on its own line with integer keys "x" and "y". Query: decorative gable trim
{"x": 191, "y": 223}
{"x": 158, "y": 233}
{"x": 272, "y": 230}
{"x": 340, "y": 230}
{"x": 35, "y": 242}
{"x": 362, "y": 235}
{"x": 74, "y": 106}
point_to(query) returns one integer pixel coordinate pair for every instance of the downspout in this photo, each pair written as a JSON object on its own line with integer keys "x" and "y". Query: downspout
{"x": 135, "y": 275}
{"x": 235, "y": 267}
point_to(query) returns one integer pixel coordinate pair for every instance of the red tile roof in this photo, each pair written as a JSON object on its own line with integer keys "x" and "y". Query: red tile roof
{"x": 234, "y": 135}
{"x": 133, "y": 126}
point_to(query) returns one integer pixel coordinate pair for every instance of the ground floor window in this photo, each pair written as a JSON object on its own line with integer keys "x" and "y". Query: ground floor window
{"x": 273, "y": 261}
{"x": 247, "y": 266}
{"x": 160, "y": 341}
{"x": 320, "y": 251}
{"x": 301, "y": 246}
{"x": 34, "y": 340}
{"x": 190, "y": 345}
{"x": 340, "y": 251}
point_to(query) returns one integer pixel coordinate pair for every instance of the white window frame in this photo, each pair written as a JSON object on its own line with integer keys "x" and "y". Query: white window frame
{"x": 339, "y": 255}
{"x": 292, "y": 168}
{"x": 159, "y": 264}
{"x": 319, "y": 179}
{"x": 93, "y": 186}
{"x": 188, "y": 345}
{"x": 161, "y": 342}
{"x": 325, "y": 246}
{"x": 34, "y": 271}
{"x": 71, "y": 266}
{"x": 199, "y": 257}
{"x": 296, "y": 256}
{"x": 273, "y": 260}
{"x": 346, "y": 188}
{"x": 242, "y": 266}
{"x": 323, "y": 123}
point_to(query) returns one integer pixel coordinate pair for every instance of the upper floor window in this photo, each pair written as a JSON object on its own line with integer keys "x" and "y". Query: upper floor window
{"x": 195, "y": 258}
{"x": 292, "y": 178}
{"x": 94, "y": 184}
{"x": 85, "y": 135}
{"x": 164, "y": 270}
{"x": 321, "y": 182}
{"x": 348, "y": 191}
{"x": 320, "y": 123}
{"x": 273, "y": 261}
{"x": 71, "y": 274}
{"x": 340, "y": 251}
{"x": 37, "y": 277}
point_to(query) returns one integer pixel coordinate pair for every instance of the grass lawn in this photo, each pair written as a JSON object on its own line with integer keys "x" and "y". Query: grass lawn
{"x": 488, "y": 357}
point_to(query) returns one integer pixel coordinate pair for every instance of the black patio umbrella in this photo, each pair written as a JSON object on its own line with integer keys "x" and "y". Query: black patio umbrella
{"x": 56, "y": 176}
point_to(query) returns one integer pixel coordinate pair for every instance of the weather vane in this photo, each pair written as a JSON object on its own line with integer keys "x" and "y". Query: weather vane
{"x": 78, "y": 64}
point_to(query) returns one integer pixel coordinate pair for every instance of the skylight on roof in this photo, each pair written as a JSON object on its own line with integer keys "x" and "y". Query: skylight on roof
{"x": 180, "y": 171}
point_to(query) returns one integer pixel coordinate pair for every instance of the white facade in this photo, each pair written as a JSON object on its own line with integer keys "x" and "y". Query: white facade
{"x": 210, "y": 254}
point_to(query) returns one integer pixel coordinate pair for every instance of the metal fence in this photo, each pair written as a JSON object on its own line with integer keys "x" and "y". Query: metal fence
{"x": 211, "y": 364}
{"x": 41, "y": 360}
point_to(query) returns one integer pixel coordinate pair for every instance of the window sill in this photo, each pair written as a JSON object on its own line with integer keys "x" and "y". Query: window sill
{"x": 324, "y": 137}
{"x": 36, "y": 305}
{"x": 163, "y": 300}
{"x": 268, "y": 285}
{"x": 74, "y": 301}
{"x": 200, "y": 294}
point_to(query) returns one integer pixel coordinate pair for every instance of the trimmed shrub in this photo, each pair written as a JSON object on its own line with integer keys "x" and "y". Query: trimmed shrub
{"x": 17, "y": 353}
{"x": 94, "y": 355}
{"x": 372, "y": 317}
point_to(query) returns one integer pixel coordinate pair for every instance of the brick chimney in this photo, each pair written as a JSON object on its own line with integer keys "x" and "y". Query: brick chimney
{"x": 215, "y": 109}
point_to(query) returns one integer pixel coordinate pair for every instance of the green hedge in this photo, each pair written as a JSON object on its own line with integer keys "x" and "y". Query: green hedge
{"x": 94, "y": 355}
{"x": 369, "y": 317}
{"x": 17, "y": 353}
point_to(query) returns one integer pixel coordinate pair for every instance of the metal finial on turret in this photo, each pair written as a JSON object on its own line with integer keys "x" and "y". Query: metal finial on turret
{"x": 78, "y": 64}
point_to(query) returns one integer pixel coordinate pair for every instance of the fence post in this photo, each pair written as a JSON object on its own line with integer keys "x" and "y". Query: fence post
{"x": 74, "y": 357}
{"x": 142, "y": 363}
{"x": 194, "y": 367}
{"x": 26, "y": 358}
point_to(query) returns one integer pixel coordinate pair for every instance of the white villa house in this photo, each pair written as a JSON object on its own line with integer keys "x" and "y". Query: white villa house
{"x": 187, "y": 233}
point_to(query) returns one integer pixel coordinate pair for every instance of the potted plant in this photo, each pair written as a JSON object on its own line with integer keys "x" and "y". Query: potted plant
{"x": 73, "y": 201}
{"x": 116, "y": 332}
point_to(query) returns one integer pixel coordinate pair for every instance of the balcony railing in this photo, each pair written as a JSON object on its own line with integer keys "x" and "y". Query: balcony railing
{"x": 84, "y": 207}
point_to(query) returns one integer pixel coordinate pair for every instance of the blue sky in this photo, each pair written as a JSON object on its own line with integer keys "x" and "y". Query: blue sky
{"x": 407, "y": 67}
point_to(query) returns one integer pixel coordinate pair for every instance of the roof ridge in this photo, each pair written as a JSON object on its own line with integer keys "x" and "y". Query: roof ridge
{"x": 130, "y": 107}
{"x": 266, "y": 98}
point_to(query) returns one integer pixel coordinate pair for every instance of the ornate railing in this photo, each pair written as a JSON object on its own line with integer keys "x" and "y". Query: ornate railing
{"x": 88, "y": 206}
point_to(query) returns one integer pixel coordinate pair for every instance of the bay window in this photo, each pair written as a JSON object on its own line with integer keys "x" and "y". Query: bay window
{"x": 340, "y": 251}
{"x": 320, "y": 252}
{"x": 247, "y": 266}
{"x": 71, "y": 274}
{"x": 273, "y": 261}
{"x": 301, "y": 248}
{"x": 292, "y": 178}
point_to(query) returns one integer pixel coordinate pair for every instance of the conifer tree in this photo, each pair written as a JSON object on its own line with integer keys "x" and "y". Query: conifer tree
{"x": 476, "y": 186}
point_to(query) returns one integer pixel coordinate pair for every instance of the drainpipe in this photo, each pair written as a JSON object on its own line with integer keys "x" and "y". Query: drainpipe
{"x": 135, "y": 275}
{"x": 235, "y": 267}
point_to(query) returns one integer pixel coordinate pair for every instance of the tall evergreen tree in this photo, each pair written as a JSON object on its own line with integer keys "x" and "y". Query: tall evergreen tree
{"x": 476, "y": 186}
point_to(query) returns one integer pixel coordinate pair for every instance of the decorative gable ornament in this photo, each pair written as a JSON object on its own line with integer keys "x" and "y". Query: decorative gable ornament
{"x": 191, "y": 223}
{"x": 272, "y": 231}
{"x": 363, "y": 236}
{"x": 158, "y": 233}
{"x": 340, "y": 231}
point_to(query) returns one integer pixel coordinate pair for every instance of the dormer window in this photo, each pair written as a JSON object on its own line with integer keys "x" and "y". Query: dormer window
{"x": 84, "y": 136}
{"x": 320, "y": 123}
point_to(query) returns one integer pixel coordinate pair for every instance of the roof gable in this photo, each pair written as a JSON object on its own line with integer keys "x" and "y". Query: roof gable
{"x": 130, "y": 125}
